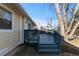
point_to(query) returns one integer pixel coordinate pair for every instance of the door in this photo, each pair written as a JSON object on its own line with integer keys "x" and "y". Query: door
{"x": 21, "y": 30}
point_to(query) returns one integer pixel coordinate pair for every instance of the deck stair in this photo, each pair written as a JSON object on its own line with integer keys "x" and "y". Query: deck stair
{"x": 48, "y": 43}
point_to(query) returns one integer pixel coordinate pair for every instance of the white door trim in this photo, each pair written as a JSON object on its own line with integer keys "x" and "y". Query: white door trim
{"x": 21, "y": 31}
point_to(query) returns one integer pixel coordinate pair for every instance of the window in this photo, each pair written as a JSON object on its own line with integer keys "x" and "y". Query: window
{"x": 5, "y": 19}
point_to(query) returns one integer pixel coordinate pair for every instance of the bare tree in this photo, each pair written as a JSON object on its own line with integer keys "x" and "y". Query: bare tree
{"x": 61, "y": 25}
{"x": 73, "y": 18}
{"x": 65, "y": 9}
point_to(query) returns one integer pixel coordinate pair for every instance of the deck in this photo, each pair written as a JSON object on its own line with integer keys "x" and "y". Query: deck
{"x": 24, "y": 50}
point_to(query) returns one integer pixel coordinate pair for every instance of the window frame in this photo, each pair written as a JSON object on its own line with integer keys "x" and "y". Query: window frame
{"x": 7, "y": 9}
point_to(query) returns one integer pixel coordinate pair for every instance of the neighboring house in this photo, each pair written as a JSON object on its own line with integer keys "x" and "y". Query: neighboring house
{"x": 12, "y": 18}
{"x": 29, "y": 24}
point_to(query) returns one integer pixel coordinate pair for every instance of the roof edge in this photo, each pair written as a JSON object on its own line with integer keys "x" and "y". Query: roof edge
{"x": 24, "y": 12}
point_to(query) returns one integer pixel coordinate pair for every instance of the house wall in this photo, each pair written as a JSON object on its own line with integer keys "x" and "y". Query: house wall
{"x": 9, "y": 39}
{"x": 26, "y": 24}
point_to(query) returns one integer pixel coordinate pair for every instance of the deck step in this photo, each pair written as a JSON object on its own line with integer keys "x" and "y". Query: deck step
{"x": 48, "y": 50}
{"x": 48, "y": 46}
{"x": 33, "y": 41}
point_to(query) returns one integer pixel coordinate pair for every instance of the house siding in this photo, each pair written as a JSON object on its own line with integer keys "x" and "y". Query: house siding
{"x": 10, "y": 39}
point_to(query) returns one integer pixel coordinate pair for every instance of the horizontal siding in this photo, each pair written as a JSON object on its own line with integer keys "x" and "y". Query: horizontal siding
{"x": 10, "y": 39}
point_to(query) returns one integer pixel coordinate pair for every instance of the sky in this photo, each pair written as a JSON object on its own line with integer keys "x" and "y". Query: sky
{"x": 43, "y": 12}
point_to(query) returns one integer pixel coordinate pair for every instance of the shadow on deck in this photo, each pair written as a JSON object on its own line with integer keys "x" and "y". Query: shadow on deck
{"x": 24, "y": 50}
